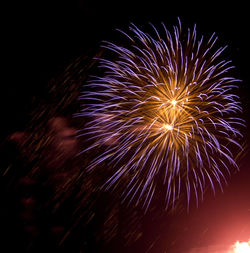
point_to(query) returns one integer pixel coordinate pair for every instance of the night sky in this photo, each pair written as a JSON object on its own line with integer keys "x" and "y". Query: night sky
{"x": 42, "y": 37}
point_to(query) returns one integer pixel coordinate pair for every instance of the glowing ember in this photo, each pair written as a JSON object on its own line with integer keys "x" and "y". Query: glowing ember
{"x": 237, "y": 247}
{"x": 241, "y": 247}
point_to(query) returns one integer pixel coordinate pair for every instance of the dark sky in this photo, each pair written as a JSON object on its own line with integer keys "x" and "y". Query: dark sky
{"x": 42, "y": 36}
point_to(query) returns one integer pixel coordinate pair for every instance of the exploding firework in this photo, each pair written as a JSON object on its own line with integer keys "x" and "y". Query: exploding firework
{"x": 165, "y": 113}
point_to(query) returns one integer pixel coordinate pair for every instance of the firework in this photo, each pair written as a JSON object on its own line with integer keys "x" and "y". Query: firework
{"x": 165, "y": 114}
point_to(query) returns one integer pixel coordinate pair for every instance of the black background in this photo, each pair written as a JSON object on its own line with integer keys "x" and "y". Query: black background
{"x": 41, "y": 37}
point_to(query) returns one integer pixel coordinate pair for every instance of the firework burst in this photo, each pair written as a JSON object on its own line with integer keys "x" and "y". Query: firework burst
{"x": 167, "y": 109}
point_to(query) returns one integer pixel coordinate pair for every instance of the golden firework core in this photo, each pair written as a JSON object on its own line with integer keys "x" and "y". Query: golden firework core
{"x": 173, "y": 102}
{"x": 168, "y": 127}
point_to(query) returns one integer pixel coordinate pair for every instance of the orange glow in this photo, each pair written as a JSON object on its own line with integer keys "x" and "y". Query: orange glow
{"x": 241, "y": 247}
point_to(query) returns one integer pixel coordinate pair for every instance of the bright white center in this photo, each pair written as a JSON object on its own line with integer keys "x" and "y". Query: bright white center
{"x": 173, "y": 102}
{"x": 242, "y": 247}
{"x": 168, "y": 127}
